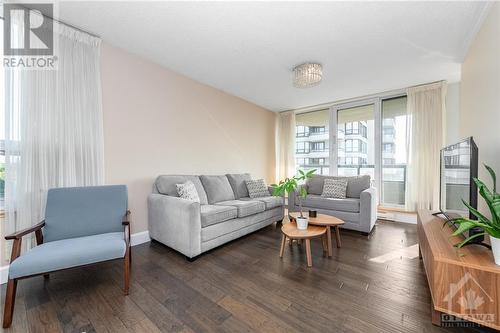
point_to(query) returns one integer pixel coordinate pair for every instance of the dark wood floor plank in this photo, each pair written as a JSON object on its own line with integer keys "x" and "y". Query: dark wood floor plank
{"x": 242, "y": 286}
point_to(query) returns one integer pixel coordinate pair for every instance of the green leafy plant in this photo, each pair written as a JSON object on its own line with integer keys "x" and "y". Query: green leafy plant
{"x": 290, "y": 185}
{"x": 489, "y": 226}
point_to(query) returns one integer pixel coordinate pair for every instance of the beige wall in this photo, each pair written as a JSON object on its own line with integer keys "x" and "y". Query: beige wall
{"x": 480, "y": 93}
{"x": 159, "y": 122}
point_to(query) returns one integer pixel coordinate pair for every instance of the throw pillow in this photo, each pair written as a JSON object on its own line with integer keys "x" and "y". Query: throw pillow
{"x": 188, "y": 191}
{"x": 257, "y": 188}
{"x": 335, "y": 188}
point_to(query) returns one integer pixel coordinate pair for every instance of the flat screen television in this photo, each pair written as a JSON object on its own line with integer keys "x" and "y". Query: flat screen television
{"x": 459, "y": 164}
{"x": 458, "y": 168}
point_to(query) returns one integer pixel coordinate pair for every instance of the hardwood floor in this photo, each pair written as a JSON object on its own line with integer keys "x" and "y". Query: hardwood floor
{"x": 241, "y": 287}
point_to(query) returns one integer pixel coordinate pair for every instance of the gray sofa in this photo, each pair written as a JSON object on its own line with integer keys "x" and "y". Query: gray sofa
{"x": 225, "y": 212}
{"x": 358, "y": 210}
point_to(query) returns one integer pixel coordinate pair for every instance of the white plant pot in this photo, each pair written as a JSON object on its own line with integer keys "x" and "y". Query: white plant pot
{"x": 302, "y": 223}
{"x": 495, "y": 248}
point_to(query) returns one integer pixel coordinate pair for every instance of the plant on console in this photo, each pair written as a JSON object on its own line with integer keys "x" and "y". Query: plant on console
{"x": 489, "y": 226}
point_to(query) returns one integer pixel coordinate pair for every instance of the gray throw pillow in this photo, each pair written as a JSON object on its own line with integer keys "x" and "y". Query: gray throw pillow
{"x": 257, "y": 188}
{"x": 335, "y": 188}
{"x": 188, "y": 191}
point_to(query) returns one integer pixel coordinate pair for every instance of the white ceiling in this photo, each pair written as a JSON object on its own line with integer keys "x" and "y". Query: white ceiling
{"x": 249, "y": 48}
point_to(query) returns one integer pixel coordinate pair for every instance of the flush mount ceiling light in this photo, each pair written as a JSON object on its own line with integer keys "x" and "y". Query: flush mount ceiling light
{"x": 307, "y": 75}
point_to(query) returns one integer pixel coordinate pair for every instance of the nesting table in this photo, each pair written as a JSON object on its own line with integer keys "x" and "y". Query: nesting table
{"x": 329, "y": 222}
{"x": 291, "y": 232}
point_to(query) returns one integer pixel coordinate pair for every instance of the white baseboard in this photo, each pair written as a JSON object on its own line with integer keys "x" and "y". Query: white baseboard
{"x": 135, "y": 239}
{"x": 139, "y": 238}
{"x": 398, "y": 217}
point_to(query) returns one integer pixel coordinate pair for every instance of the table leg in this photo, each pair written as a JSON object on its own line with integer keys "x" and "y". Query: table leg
{"x": 337, "y": 232}
{"x": 329, "y": 240}
{"x": 282, "y": 249}
{"x": 308, "y": 252}
{"x": 324, "y": 241}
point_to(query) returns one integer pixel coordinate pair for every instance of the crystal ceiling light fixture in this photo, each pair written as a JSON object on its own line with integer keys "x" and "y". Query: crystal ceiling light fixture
{"x": 307, "y": 75}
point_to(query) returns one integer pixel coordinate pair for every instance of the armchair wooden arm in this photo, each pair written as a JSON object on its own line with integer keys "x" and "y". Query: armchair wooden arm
{"x": 19, "y": 234}
{"x": 128, "y": 251}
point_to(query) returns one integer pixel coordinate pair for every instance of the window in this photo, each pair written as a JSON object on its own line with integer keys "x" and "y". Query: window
{"x": 302, "y": 147}
{"x": 362, "y": 144}
{"x": 302, "y": 131}
{"x": 317, "y": 146}
{"x": 316, "y": 130}
{"x": 393, "y": 151}
{"x": 312, "y": 146}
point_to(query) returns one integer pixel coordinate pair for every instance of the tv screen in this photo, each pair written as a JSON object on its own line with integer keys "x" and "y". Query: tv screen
{"x": 458, "y": 168}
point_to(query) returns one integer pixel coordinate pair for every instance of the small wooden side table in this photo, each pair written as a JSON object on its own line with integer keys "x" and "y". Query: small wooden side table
{"x": 291, "y": 232}
{"x": 329, "y": 222}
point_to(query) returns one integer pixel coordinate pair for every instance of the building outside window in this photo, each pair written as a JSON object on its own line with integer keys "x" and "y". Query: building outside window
{"x": 312, "y": 132}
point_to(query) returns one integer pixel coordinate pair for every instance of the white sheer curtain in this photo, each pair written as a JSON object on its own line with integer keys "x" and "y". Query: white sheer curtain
{"x": 426, "y": 132}
{"x": 285, "y": 145}
{"x": 53, "y": 128}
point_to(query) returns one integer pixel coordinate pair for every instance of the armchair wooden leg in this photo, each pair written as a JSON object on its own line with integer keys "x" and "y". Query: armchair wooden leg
{"x": 10, "y": 298}
{"x": 126, "y": 272}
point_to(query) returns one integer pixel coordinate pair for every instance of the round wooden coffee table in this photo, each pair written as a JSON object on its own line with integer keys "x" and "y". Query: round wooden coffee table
{"x": 325, "y": 221}
{"x": 291, "y": 232}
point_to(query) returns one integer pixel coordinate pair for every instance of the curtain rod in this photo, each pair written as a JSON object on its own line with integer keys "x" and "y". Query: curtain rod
{"x": 63, "y": 23}
{"x": 318, "y": 107}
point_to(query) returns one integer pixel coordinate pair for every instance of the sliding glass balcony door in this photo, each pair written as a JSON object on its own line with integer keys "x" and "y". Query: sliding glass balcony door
{"x": 394, "y": 152}
{"x": 366, "y": 137}
{"x": 356, "y": 150}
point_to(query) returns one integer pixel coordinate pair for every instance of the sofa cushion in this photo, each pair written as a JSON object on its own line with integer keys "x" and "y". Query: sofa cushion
{"x": 355, "y": 185}
{"x": 315, "y": 184}
{"x": 217, "y": 188}
{"x": 166, "y": 184}
{"x": 345, "y": 205}
{"x": 67, "y": 253}
{"x": 257, "y": 188}
{"x": 213, "y": 214}
{"x": 228, "y": 227}
{"x": 237, "y": 181}
{"x": 270, "y": 202}
{"x": 245, "y": 208}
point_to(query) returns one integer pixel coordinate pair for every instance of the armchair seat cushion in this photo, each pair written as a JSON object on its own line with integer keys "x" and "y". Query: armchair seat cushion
{"x": 245, "y": 208}
{"x": 213, "y": 214}
{"x": 343, "y": 205}
{"x": 270, "y": 202}
{"x": 67, "y": 253}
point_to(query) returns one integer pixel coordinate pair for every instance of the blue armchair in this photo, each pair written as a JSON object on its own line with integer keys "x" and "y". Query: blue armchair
{"x": 82, "y": 226}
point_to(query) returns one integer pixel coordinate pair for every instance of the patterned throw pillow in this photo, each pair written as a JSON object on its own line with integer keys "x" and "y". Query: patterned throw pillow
{"x": 257, "y": 188}
{"x": 188, "y": 191}
{"x": 335, "y": 188}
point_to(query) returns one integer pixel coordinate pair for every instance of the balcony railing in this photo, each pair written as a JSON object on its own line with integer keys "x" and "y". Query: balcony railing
{"x": 393, "y": 180}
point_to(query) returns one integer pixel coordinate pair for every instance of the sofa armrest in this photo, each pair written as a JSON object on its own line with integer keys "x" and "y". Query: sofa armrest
{"x": 176, "y": 223}
{"x": 368, "y": 208}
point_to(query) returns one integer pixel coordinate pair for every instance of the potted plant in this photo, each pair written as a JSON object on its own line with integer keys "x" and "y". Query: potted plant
{"x": 290, "y": 185}
{"x": 491, "y": 225}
